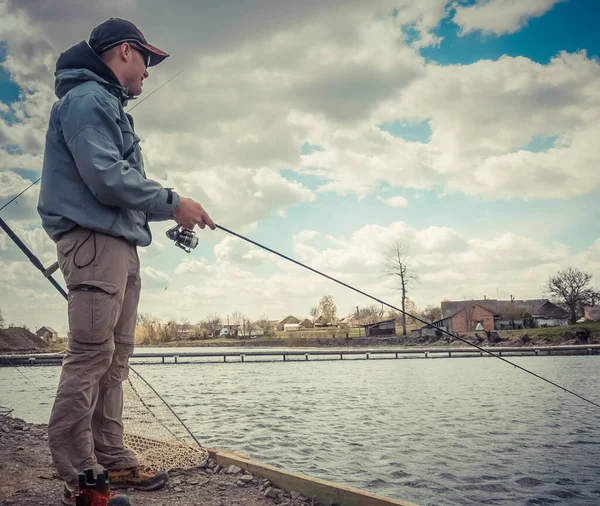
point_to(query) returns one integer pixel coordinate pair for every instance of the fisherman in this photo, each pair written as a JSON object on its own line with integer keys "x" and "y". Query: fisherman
{"x": 95, "y": 203}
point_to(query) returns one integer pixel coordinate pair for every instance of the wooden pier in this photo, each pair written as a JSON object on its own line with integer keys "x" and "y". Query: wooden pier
{"x": 172, "y": 356}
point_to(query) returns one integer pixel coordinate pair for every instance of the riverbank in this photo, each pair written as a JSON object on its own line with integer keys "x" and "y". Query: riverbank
{"x": 29, "y": 479}
{"x": 587, "y": 333}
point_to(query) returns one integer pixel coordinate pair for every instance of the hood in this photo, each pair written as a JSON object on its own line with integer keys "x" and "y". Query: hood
{"x": 79, "y": 64}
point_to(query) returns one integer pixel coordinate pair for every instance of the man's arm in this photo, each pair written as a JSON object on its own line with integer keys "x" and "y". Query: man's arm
{"x": 96, "y": 143}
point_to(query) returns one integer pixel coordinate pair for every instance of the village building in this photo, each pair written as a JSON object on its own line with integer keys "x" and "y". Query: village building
{"x": 287, "y": 320}
{"x": 490, "y": 314}
{"x": 381, "y": 329}
{"x": 591, "y": 313}
{"x": 47, "y": 333}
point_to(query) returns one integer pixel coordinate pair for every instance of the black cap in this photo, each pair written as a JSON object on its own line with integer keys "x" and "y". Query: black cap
{"x": 115, "y": 31}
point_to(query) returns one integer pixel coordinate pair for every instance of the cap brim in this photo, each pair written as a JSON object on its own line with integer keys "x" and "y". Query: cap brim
{"x": 156, "y": 55}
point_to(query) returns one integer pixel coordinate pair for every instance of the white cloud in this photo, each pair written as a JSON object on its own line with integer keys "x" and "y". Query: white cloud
{"x": 232, "y": 250}
{"x": 480, "y": 115}
{"x": 195, "y": 266}
{"x": 153, "y": 278}
{"x": 304, "y": 236}
{"x": 396, "y": 201}
{"x": 500, "y": 16}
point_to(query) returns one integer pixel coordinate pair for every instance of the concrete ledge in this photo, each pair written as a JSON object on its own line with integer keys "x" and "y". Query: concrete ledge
{"x": 326, "y": 492}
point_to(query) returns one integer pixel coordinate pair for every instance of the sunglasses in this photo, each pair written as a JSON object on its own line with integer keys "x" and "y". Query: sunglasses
{"x": 144, "y": 54}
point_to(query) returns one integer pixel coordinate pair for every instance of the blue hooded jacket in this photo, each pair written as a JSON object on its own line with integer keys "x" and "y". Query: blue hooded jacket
{"x": 93, "y": 173}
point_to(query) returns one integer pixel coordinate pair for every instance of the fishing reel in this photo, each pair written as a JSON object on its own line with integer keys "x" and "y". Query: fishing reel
{"x": 183, "y": 238}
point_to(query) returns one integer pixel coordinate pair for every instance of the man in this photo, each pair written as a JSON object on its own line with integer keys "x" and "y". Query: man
{"x": 95, "y": 203}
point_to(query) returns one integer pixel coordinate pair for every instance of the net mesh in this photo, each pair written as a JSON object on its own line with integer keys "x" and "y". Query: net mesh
{"x": 157, "y": 437}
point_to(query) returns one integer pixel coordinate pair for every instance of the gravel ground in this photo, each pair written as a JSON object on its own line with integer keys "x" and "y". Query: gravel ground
{"x": 27, "y": 478}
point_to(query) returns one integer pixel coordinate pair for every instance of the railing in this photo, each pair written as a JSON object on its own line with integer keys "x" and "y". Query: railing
{"x": 287, "y": 355}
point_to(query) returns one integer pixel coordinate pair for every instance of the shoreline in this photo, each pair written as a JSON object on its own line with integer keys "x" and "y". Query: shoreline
{"x": 29, "y": 479}
{"x": 572, "y": 335}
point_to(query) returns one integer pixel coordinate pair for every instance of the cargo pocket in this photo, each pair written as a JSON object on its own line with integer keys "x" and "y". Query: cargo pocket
{"x": 93, "y": 311}
{"x": 64, "y": 247}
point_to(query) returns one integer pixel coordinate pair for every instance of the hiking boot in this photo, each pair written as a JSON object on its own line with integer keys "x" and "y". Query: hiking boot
{"x": 137, "y": 478}
{"x": 69, "y": 497}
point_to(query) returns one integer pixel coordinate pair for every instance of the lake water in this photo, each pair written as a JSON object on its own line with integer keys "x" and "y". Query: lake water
{"x": 436, "y": 432}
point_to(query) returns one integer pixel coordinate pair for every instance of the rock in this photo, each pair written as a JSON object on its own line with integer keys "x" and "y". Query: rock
{"x": 204, "y": 465}
{"x": 8, "y": 501}
{"x": 210, "y": 471}
{"x": 179, "y": 490}
{"x": 131, "y": 490}
{"x": 271, "y": 493}
{"x": 217, "y": 469}
{"x": 244, "y": 480}
{"x": 233, "y": 470}
{"x": 295, "y": 494}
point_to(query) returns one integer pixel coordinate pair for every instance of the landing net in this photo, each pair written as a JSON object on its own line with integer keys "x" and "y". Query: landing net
{"x": 154, "y": 433}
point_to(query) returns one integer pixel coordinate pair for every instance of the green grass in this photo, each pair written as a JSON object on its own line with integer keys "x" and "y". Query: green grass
{"x": 551, "y": 335}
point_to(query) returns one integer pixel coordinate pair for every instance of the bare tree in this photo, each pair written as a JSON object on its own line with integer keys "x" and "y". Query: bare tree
{"x": 265, "y": 326}
{"x": 1, "y": 320}
{"x": 592, "y": 298}
{"x": 368, "y": 314}
{"x": 240, "y": 319}
{"x": 432, "y": 313}
{"x": 327, "y": 309}
{"x": 571, "y": 287}
{"x": 396, "y": 265}
{"x": 314, "y": 312}
{"x": 213, "y": 324}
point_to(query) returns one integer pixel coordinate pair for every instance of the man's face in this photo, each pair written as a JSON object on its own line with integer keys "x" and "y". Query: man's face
{"x": 136, "y": 70}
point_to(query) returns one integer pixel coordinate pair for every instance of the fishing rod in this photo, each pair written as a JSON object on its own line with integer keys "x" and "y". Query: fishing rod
{"x": 47, "y": 272}
{"x": 186, "y": 240}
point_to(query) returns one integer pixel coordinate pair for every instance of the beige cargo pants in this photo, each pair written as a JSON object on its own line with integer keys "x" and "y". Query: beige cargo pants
{"x": 85, "y": 429}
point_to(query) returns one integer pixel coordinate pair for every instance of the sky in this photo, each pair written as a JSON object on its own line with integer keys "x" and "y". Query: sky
{"x": 328, "y": 131}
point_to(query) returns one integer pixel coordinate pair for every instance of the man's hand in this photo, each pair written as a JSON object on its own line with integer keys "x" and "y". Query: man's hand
{"x": 189, "y": 213}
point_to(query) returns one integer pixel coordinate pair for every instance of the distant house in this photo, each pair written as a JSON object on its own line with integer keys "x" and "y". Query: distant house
{"x": 435, "y": 330}
{"x": 592, "y": 313}
{"x": 501, "y": 314}
{"x": 47, "y": 333}
{"x": 230, "y": 330}
{"x": 307, "y": 324}
{"x": 288, "y": 319}
{"x": 351, "y": 321}
{"x": 550, "y": 315}
{"x": 320, "y": 322}
{"x": 383, "y": 328}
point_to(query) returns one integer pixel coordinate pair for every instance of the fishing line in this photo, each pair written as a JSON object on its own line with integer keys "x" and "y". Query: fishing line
{"x": 17, "y": 196}
{"x": 454, "y": 336}
{"x": 148, "y": 96}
